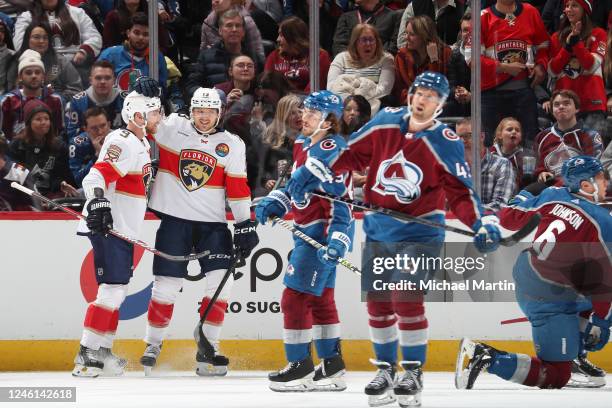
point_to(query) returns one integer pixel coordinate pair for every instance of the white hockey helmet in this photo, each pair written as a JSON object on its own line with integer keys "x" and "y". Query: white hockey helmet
{"x": 208, "y": 98}
{"x": 136, "y": 103}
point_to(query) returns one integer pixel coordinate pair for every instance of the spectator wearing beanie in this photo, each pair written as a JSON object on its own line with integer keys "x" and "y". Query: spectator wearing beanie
{"x": 31, "y": 74}
{"x": 39, "y": 145}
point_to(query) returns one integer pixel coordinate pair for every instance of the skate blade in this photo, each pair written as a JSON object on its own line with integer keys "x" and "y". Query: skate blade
{"x": 388, "y": 397}
{"x": 409, "y": 400}
{"x": 209, "y": 370}
{"x": 300, "y": 385}
{"x": 86, "y": 372}
{"x": 466, "y": 349}
{"x": 583, "y": 381}
{"x": 113, "y": 369}
{"x": 148, "y": 371}
{"x": 334, "y": 383}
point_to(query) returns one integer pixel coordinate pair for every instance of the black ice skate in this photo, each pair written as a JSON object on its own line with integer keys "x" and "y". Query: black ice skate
{"x": 586, "y": 374}
{"x": 295, "y": 377}
{"x": 380, "y": 389}
{"x": 328, "y": 374}
{"x": 214, "y": 365}
{"x": 149, "y": 358}
{"x": 113, "y": 365}
{"x": 480, "y": 356}
{"x": 409, "y": 385}
{"x": 87, "y": 363}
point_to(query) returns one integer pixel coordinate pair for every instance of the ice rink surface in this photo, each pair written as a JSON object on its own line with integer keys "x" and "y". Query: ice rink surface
{"x": 249, "y": 389}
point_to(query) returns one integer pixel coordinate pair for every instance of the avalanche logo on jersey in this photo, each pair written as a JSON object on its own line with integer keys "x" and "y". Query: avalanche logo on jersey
{"x": 400, "y": 178}
{"x": 123, "y": 79}
{"x": 195, "y": 168}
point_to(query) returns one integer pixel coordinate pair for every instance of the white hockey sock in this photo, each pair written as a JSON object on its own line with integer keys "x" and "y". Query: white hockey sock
{"x": 91, "y": 339}
{"x": 164, "y": 294}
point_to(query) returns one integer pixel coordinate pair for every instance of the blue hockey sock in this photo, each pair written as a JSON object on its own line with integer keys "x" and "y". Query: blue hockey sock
{"x": 415, "y": 353}
{"x": 504, "y": 365}
{"x": 327, "y": 348}
{"x": 386, "y": 351}
{"x": 297, "y": 352}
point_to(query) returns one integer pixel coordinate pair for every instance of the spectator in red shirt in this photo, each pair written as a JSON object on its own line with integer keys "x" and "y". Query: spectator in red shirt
{"x": 291, "y": 58}
{"x": 578, "y": 51}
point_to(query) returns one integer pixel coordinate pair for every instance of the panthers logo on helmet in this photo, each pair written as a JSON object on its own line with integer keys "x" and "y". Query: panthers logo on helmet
{"x": 400, "y": 178}
{"x": 195, "y": 168}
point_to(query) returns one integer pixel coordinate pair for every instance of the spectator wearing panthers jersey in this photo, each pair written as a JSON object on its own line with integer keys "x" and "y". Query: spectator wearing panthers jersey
{"x": 84, "y": 148}
{"x": 424, "y": 51}
{"x": 59, "y": 71}
{"x": 498, "y": 178}
{"x": 578, "y": 52}
{"x": 31, "y": 75}
{"x": 102, "y": 93}
{"x": 131, "y": 60}
{"x": 565, "y": 139}
{"x": 515, "y": 56}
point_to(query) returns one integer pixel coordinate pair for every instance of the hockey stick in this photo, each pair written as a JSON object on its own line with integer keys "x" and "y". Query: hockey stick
{"x": 342, "y": 261}
{"x": 137, "y": 242}
{"x": 204, "y": 346}
{"x": 529, "y": 226}
{"x": 517, "y": 320}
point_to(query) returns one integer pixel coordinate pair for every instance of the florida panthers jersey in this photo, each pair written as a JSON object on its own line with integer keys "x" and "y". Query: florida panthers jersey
{"x": 510, "y": 38}
{"x": 572, "y": 244}
{"x": 123, "y": 170}
{"x": 197, "y": 172}
{"x": 412, "y": 173}
{"x": 555, "y": 146}
{"x": 319, "y": 210}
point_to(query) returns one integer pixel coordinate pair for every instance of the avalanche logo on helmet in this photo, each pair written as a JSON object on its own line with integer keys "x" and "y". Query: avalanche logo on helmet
{"x": 195, "y": 168}
{"x": 400, "y": 178}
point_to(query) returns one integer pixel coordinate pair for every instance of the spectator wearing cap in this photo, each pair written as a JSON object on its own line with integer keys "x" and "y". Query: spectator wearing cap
{"x": 31, "y": 75}
{"x": 578, "y": 51}
{"x": 42, "y": 152}
{"x": 6, "y": 52}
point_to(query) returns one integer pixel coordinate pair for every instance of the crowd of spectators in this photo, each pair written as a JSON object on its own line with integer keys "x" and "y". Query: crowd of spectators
{"x": 65, "y": 65}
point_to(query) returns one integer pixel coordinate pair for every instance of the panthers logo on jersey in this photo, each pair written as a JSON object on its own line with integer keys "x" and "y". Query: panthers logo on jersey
{"x": 195, "y": 168}
{"x": 400, "y": 178}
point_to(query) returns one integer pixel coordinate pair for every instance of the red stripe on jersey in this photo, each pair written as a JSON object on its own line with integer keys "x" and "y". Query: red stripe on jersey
{"x": 168, "y": 161}
{"x": 109, "y": 172}
{"x": 160, "y": 314}
{"x": 237, "y": 187}
{"x": 217, "y": 178}
{"x": 217, "y": 312}
{"x": 98, "y": 318}
{"x": 132, "y": 184}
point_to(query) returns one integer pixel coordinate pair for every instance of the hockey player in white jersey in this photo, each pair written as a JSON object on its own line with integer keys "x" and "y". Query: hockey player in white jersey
{"x": 115, "y": 189}
{"x": 200, "y": 165}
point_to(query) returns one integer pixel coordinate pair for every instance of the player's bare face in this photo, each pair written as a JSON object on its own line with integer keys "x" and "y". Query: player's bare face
{"x": 138, "y": 37}
{"x": 424, "y": 103}
{"x": 310, "y": 121}
{"x": 204, "y": 119}
{"x": 563, "y": 109}
{"x": 102, "y": 80}
{"x": 153, "y": 119}
{"x": 602, "y": 181}
{"x": 40, "y": 124}
{"x": 573, "y": 11}
{"x": 511, "y": 135}
{"x": 32, "y": 77}
{"x": 39, "y": 40}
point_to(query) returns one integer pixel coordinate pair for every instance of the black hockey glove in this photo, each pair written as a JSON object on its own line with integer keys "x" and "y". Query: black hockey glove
{"x": 99, "y": 217}
{"x": 146, "y": 86}
{"x": 245, "y": 238}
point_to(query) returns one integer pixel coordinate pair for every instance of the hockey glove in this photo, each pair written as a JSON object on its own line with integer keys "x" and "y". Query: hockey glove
{"x": 275, "y": 204}
{"x": 302, "y": 181}
{"x": 487, "y": 233}
{"x": 245, "y": 238}
{"x": 146, "y": 86}
{"x": 336, "y": 247}
{"x": 99, "y": 218}
{"x": 596, "y": 333}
